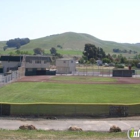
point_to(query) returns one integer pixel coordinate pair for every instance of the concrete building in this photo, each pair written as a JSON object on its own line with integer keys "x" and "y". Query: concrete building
{"x": 65, "y": 65}
{"x": 33, "y": 65}
{"x": 37, "y": 65}
{"x": 11, "y": 62}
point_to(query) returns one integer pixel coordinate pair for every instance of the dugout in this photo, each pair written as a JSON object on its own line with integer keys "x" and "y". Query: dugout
{"x": 1, "y": 70}
{"x": 122, "y": 73}
{"x": 35, "y": 71}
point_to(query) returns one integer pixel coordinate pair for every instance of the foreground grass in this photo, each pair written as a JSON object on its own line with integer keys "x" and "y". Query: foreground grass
{"x": 84, "y": 78}
{"x": 58, "y": 135}
{"x": 31, "y": 92}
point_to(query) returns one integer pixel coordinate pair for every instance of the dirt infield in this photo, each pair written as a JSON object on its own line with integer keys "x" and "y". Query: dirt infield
{"x": 119, "y": 80}
{"x": 35, "y": 79}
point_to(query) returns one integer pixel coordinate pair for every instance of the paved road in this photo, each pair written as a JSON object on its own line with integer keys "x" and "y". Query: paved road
{"x": 64, "y": 124}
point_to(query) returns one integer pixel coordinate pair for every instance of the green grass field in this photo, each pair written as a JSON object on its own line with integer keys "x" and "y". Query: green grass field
{"x": 58, "y": 135}
{"x": 35, "y": 92}
{"x": 84, "y": 79}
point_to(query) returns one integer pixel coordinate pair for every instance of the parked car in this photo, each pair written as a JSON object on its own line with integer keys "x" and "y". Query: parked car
{"x": 106, "y": 64}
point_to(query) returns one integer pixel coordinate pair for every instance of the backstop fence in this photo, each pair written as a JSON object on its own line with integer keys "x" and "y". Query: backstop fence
{"x": 94, "y": 70}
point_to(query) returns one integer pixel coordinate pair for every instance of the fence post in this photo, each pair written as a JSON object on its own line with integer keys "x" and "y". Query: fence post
{"x": 102, "y": 71}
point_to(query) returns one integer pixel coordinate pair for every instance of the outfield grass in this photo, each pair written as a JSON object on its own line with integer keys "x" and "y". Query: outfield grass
{"x": 32, "y": 92}
{"x": 58, "y": 135}
{"x": 84, "y": 79}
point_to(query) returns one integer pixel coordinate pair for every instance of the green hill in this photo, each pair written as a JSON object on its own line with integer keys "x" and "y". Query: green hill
{"x": 72, "y": 43}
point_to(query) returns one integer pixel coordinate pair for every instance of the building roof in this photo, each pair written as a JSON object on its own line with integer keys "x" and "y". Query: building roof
{"x": 28, "y": 57}
{"x": 66, "y": 59}
{"x": 11, "y": 58}
{"x": 37, "y": 57}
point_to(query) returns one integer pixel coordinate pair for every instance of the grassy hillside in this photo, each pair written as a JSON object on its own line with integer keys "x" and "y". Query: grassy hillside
{"x": 2, "y": 44}
{"x": 72, "y": 43}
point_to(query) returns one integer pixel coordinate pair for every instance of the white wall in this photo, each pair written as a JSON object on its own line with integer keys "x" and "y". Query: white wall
{"x": 37, "y": 65}
{"x": 65, "y": 68}
{"x": 9, "y": 64}
{"x": 72, "y": 66}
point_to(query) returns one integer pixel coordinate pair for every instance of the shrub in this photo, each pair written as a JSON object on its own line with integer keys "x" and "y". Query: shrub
{"x": 119, "y": 66}
{"x": 75, "y": 128}
{"x": 27, "y": 127}
{"x": 115, "y": 129}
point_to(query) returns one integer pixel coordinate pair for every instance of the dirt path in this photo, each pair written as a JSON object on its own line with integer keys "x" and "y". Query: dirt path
{"x": 119, "y": 80}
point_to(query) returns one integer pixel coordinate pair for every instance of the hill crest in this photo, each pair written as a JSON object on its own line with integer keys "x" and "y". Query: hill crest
{"x": 75, "y": 41}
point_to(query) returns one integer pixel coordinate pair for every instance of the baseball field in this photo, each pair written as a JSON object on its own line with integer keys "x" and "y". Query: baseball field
{"x": 72, "y": 89}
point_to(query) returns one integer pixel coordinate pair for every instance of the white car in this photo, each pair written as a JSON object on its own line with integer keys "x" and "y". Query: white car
{"x": 106, "y": 65}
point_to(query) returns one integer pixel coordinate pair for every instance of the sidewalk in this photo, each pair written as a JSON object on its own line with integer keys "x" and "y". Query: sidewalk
{"x": 64, "y": 124}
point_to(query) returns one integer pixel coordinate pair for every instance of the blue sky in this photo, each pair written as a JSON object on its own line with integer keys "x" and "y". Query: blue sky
{"x": 113, "y": 20}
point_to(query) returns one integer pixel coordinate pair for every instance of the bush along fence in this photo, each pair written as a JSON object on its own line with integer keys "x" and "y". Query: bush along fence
{"x": 40, "y": 109}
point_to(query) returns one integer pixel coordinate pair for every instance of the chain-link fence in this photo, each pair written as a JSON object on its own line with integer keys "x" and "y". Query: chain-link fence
{"x": 136, "y": 73}
{"x": 11, "y": 76}
{"x": 93, "y": 70}
{"x": 4, "y": 79}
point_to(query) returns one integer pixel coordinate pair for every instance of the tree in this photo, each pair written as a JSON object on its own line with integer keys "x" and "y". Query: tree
{"x": 101, "y": 53}
{"x": 59, "y": 46}
{"x": 114, "y": 55}
{"x": 130, "y": 51}
{"x": 116, "y": 50}
{"x": 109, "y": 57}
{"x": 123, "y": 60}
{"x": 58, "y": 55}
{"x": 81, "y": 60}
{"x": 17, "y": 42}
{"x": 106, "y": 60}
{"x": 4, "y": 48}
{"x": 92, "y": 60}
{"x": 53, "y": 51}
{"x": 38, "y": 51}
{"x": 22, "y": 52}
{"x": 91, "y": 51}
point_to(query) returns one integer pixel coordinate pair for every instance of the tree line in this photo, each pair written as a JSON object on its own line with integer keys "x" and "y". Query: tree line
{"x": 16, "y": 43}
{"x": 92, "y": 53}
{"x": 124, "y": 51}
